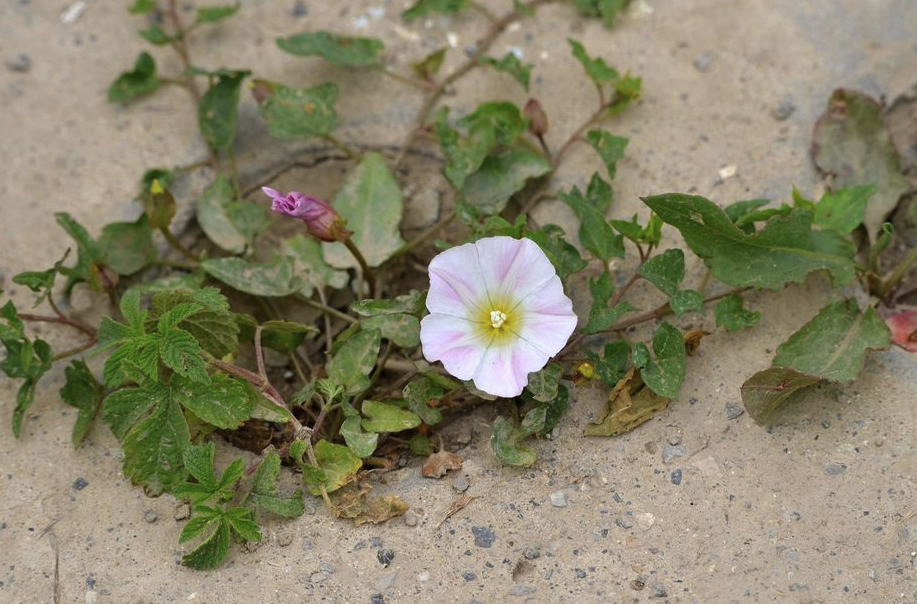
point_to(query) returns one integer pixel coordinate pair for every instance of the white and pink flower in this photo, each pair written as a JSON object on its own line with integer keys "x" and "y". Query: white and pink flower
{"x": 497, "y": 313}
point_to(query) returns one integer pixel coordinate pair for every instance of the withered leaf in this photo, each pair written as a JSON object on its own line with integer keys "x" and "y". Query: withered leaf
{"x": 692, "y": 340}
{"x": 439, "y": 463}
{"x": 629, "y": 404}
{"x": 356, "y": 504}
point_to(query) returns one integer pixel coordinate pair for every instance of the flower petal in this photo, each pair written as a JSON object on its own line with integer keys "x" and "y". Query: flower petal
{"x": 456, "y": 285}
{"x": 513, "y": 268}
{"x": 504, "y": 370}
{"x": 454, "y": 341}
{"x": 548, "y": 318}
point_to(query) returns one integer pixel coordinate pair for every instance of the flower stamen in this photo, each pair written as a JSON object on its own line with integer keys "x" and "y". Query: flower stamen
{"x": 497, "y": 318}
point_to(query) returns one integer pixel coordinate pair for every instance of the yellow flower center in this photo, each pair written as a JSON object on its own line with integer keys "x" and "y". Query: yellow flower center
{"x": 498, "y": 321}
{"x": 497, "y": 318}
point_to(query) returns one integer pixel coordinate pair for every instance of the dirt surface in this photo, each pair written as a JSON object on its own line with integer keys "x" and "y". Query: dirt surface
{"x": 695, "y": 506}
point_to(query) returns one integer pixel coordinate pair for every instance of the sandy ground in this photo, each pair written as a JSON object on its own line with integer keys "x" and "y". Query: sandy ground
{"x": 818, "y": 508}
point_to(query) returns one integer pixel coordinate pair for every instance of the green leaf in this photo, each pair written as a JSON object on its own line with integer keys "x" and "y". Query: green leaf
{"x": 243, "y": 525}
{"x": 181, "y": 353}
{"x": 505, "y": 119}
{"x": 429, "y": 66}
{"x": 418, "y": 395}
{"x": 142, "y": 7}
{"x": 511, "y": 65}
{"x": 153, "y": 448}
{"x": 337, "y": 465}
{"x": 212, "y": 324}
{"x": 412, "y": 303}
{"x": 843, "y": 210}
{"x": 611, "y": 367}
{"x": 501, "y": 176}
{"x": 601, "y": 316}
{"x": 732, "y": 316}
{"x": 371, "y": 202}
{"x": 543, "y": 384}
{"x": 851, "y": 143}
{"x": 402, "y": 330}
{"x": 156, "y": 36}
{"x": 508, "y": 444}
{"x": 607, "y": 9}
{"x": 665, "y": 271}
{"x": 563, "y": 255}
{"x": 382, "y": 417}
{"x": 420, "y": 445}
{"x": 124, "y": 408}
{"x": 215, "y": 218}
{"x": 309, "y": 265}
{"x": 344, "y": 51}
{"x": 83, "y": 391}
{"x": 596, "y": 69}
{"x": 295, "y": 113}
{"x": 355, "y": 360}
{"x": 422, "y": 8}
{"x": 87, "y": 250}
{"x": 744, "y": 213}
{"x": 764, "y": 392}
{"x": 285, "y": 336}
{"x": 464, "y": 155}
{"x": 133, "y": 84}
{"x": 217, "y": 113}
{"x": 264, "y": 495}
{"x": 834, "y": 344}
{"x": 198, "y": 460}
{"x": 785, "y": 250}
{"x": 128, "y": 246}
{"x": 361, "y": 443}
{"x": 664, "y": 375}
{"x": 212, "y": 14}
{"x": 30, "y": 361}
{"x": 594, "y": 233}
{"x": 39, "y": 282}
{"x": 609, "y": 147}
{"x": 225, "y": 402}
{"x": 272, "y": 280}
{"x": 210, "y": 552}
{"x": 686, "y": 300}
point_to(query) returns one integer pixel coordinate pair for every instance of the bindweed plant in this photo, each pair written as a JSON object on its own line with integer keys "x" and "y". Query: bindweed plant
{"x": 344, "y": 346}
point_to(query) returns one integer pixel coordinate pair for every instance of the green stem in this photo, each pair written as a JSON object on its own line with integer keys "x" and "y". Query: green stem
{"x": 404, "y": 80}
{"x": 893, "y": 280}
{"x": 410, "y": 245}
{"x": 368, "y": 275}
{"x": 483, "y": 10}
{"x": 328, "y": 310}
{"x": 62, "y": 320}
{"x": 177, "y": 246}
{"x": 234, "y": 172}
{"x": 77, "y": 350}
{"x": 340, "y": 146}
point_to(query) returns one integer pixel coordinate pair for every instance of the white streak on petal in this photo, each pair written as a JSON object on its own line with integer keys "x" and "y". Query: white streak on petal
{"x": 456, "y": 285}
{"x": 453, "y": 341}
{"x": 504, "y": 370}
{"x": 513, "y": 268}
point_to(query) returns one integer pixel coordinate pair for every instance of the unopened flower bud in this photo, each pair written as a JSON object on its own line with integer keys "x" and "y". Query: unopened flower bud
{"x": 262, "y": 90}
{"x": 159, "y": 206}
{"x": 538, "y": 121}
{"x": 321, "y": 220}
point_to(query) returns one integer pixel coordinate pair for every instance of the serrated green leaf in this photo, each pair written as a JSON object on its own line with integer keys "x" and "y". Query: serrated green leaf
{"x": 153, "y": 449}
{"x": 843, "y": 210}
{"x": 231, "y": 475}
{"x": 204, "y": 517}
{"x": 544, "y": 384}
{"x": 140, "y": 81}
{"x": 785, "y": 250}
{"x": 225, "y": 402}
{"x": 594, "y": 233}
{"x": 310, "y": 266}
{"x": 382, "y": 417}
{"x": 402, "y": 330}
{"x": 212, "y": 14}
{"x": 371, "y": 202}
{"x": 429, "y": 66}
{"x": 124, "y": 408}
{"x": 142, "y": 7}
{"x": 596, "y": 69}
{"x": 242, "y": 523}
{"x": 170, "y": 319}
{"x": 337, "y": 465}
{"x": 211, "y": 552}
{"x": 363, "y": 444}
{"x": 83, "y": 391}
{"x": 732, "y": 316}
{"x": 851, "y": 142}
{"x": 764, "y": 392}
{"x": 181, "y": 353}
{"x": 563, "y": 255}
{"x": 418, "y": 395}
{"x": 273, "y": 280}
{"x": 411, "y": 303}
{"x": 264, "y": 493}
{"x": 213, "y": 325}
{"x": 133, "y": 314}
{"x": 295, "y": 113}
{"x": 511, "y": 65}
{"x": 354, "y": 361}
{"x": 217, "y": 114}
{"x": 664, "y": 375}
{"x": 501, "y": 176}
{"x": 344, "y": 51}
{"x": 834, "y": 344}
{"x": 609, "y": 147}
{"x": 198, "y": 460}
{"x": 508, "y": 444}
{"x": 422, "y": 8}
{"x": 128, "y": 246}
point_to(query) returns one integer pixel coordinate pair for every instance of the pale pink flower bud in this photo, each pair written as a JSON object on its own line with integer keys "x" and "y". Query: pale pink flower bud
{"x": 321, "y": 220}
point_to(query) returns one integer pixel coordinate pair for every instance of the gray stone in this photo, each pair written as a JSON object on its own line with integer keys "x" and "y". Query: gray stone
{"x": 519, "y": 591}
{"x": 483, "y": 536}
{"x": 624, "y": 523}
{"x": 20, "y": 62}
{"x": 703, "y": 61}
{"x": 835, "y": 469}
{"x": 182, "y": 511}
{"x": 460, "y": 484}
{"x": 410, "y": 518}
{"x": 672, "y": 452}
{"x": 385, "y": 556}
{"x": 531, "y": 554}
{"x": 675, "y": 477}
{"x": 150, "y": 516}
{"x": 733, "y": 411}
{"x": 658, "y": 590}
{"x": 783, "y": 110}
{"x": 558, "y": 499}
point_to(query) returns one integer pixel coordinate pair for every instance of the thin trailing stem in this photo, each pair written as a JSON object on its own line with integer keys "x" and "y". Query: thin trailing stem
{"x": 488, "y": 14}
{"x": 177, "y": 246}
{"x": 62, "y": 320}
{"x": 424, "y": 236}
{"x": 73, "y": 351}
{"x": 180, "y": 45}
{"x": 894, "y": 278}
{"x": 340, "y": 146}
{"x": 70, "y": 321}
{"x": 234, "y": 172}
{"x": 329, "y": 340}
{"x": 368, "y": 275}
{"x": 483, "y": 45}
{"x": 422, "y": 85}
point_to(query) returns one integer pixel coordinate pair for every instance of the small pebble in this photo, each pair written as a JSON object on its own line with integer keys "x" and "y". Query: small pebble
{"x": 385, "y": 556}
{"x": 783, "y": 110}
{"x": 703, "y": 61}
{"x": 580, "y": 573}
{"x": 375, "y": 542}
{"x": 79, "y": 484}
{"x": 637, "y": 585}
{"x": 676, "y": 477}
{"x": 558, "y": 499}
{"x": 377, "y": 599}
{"x": 483, "y": 536}
{"x": 522, "y": 590}
{"x": 328, "y": 568}
{"x": 300, "y": 9}
{"x": 410, "y": 518}
{"x": 672, "y": 452}
{"x": 284, "y": 539}
{"x": 317, "y": 577}
{"x": 650, "y": 447}
{"x": 385, "y": 581}
{"x": 182, "y": 511}
{"x": 733, "y": 411}
{"x": 835, "y": 469}
{"x": 675, "y": 439}
{"x": 469, "y": 576}
{"x": 151, "y": 516}
{"x": 531, "y": 554}
{"x": 460, "y": 484}
{"x": 624, "y": 523}
{"x": 20, "y": 62}
{"x": 659, "y": 591}
{"x": 645, "y": 520}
